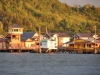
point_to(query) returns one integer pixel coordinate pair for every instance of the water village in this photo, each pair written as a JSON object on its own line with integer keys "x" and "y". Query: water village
{"x": 34, "y": 42}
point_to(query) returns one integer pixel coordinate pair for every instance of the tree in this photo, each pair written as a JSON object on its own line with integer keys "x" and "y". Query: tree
{"x": 63, "y": 24}
{"x": 1, "y": 25}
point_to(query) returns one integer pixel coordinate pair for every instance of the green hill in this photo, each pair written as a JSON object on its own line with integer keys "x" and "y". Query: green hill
{"x": 57, "y": 16}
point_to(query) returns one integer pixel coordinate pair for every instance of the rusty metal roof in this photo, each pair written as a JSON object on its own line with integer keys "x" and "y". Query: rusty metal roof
{"x": 85, "y": 34}
{"x": 63, "y": 35}
{"x": 15, "y": 26}
{"x": 59, "y": 34}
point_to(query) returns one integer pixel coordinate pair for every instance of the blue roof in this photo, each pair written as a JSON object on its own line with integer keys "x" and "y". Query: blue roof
{"x": 27, "y": 35}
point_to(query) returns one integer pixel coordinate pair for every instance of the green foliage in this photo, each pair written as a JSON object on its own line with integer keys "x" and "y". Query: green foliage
{"x": 57, "y": 16}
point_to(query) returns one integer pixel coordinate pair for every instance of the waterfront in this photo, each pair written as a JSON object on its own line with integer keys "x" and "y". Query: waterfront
{"x": 49, "y": 64}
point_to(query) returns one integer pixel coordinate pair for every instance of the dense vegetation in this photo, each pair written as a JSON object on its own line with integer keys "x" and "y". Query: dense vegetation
{"x": 57, "y": 16}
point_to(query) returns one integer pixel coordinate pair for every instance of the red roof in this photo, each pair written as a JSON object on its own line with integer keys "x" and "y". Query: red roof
{"x": 59, "y": 34}
{"x": 85, "y": 34}
{"x": 63, "y": 35}
{"x": 15, "y": 26}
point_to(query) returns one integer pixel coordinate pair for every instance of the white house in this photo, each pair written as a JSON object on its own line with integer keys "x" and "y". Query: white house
{"x": 60, "y": 38}
{"x": 48, "y": 44}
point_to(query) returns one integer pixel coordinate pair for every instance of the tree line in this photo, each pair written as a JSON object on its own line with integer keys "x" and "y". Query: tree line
{"x": 56, "y": 16}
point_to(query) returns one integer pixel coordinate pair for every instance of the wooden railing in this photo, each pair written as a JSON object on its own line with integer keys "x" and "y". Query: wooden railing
{"x": 33, "y": 47}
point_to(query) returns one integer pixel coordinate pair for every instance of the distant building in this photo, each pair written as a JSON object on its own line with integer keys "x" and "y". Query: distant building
{"x": 49, "y": 42}
{"x": 19, "y": 39}
{"x": 61, "y": 38}
{"x": 3, "y": 42}
{"x": 84, "y": 36}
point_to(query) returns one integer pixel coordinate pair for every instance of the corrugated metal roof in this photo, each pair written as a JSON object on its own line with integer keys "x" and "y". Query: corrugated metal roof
{"x": 15, "y": 26}
{"x": 63, "y": 35}
{"x": 85, "y": 34}
{"x": 82, "y": 41}
{"x": 51, "y": 34}
{"x": 59, "y": 34}
{"x": 27, "y": 35}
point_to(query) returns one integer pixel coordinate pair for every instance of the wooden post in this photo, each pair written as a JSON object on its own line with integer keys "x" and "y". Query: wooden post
{"x": 11, "y": 41}
{"x": 95, "y": 51}
{"x": 19, "y": 51}
{"x": 46, "y": 30}
{"x": 39, "y": 40}
{"x": 11, "y": 51}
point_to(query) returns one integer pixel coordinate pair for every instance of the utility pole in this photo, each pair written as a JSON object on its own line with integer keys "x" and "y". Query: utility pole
{"x": 46, "y": 30}
{"x": 3, "y": 41}
{"x": 39, "y": 40}
{"x": 95, "y": 36}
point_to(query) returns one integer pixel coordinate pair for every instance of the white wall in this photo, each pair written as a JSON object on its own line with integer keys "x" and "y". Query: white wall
{"x": 85, "y": 38}
{"x": 49, "y": 44}
{"x": 44, "y": 44}
{"x": 52, "y": 45}
{"x": 65, "y": 39}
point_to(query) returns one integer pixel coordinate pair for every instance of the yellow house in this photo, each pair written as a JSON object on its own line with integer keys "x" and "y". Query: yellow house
{"x": 83, "y": 45}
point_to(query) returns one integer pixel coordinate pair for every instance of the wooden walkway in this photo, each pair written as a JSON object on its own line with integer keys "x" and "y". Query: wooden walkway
{"x": 36, "y": 50}
{"x": 22, "y": 49}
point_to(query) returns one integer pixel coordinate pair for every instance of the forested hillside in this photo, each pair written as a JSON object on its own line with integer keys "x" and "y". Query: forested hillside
{"x": 57, "y": 16}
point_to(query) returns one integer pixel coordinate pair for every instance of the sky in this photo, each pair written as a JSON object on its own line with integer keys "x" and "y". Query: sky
{"x": 82, "y": 2}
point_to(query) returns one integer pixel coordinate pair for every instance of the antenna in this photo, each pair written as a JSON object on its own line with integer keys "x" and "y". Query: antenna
{"x": 95, "y": 40}
{"x": 46, "y": 30}
{"x": 95, "y": 29}
{"x": 39, "y": 40}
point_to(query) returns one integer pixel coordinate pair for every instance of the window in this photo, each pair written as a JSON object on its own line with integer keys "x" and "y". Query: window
{"x": 15, "y": 30}
{"x": 12, "y": 30}
{"x": 19, "y": 30}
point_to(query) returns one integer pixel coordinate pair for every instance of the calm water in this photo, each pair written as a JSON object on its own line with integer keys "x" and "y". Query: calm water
{"x": 49, "y": 64}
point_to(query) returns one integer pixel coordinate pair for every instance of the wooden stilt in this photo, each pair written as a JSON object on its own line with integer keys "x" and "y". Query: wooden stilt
{"x": 11, "y": 51}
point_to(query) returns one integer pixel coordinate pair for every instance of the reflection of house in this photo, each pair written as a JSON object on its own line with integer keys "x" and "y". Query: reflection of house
{"x": 83, "y": 36}
{"x": 61, "y": 38}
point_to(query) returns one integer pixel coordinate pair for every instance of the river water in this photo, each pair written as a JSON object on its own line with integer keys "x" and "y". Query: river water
{"x": 49, "y": 64}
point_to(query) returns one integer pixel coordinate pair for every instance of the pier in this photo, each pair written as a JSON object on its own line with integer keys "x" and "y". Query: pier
{"x": 34, "y": 50}
{"x": 18, "y": 41}
{"x": 18, "y": 50}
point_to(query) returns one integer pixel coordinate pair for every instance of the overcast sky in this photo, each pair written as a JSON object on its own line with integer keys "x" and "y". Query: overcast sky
{"x": 82, "y": 2}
